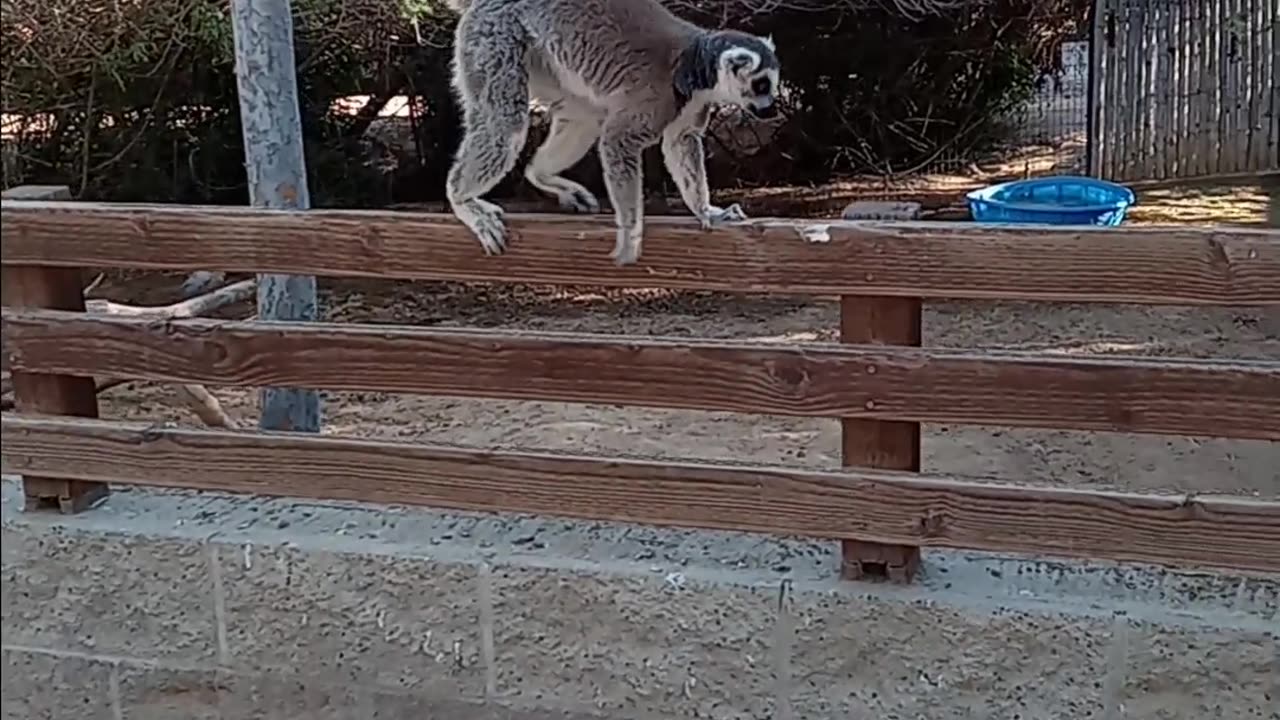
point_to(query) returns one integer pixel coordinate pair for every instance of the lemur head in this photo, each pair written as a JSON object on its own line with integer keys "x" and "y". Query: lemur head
{"x": 731, "y": 67}
{"x": 747, "y": 74}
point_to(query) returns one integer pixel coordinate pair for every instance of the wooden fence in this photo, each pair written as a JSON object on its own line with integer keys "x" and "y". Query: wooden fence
{"x": 1185, "y": 88}
{"x": 879, "y": 380}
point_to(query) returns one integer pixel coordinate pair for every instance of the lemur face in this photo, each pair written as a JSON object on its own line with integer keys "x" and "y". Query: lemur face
{"x": 748, "y": 75}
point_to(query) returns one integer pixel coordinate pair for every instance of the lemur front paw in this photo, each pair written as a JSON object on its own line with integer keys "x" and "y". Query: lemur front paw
{"x": 714, "y": 216}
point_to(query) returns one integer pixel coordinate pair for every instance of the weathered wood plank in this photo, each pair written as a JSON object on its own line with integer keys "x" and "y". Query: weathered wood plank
{"x": 1197, "y": 96}
{"x": 931, "y": 260}
{"x": 1271, "y": 46}
{"x": 1095, "y": 134}
{"x": 894, "y": 508}
{"x": 1130, "y": 130}
{"x": 1163, "y": 96}
{"x": 1143, "y": 157}
{"x": 1260, "y": 87}
{"x": 1179, "y": 48}
{"x": 1217, "y": 398}
{"x": 1217, "y": 85}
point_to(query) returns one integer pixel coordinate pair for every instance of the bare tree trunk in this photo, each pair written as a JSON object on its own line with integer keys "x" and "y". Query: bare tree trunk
{"x": 266, "y": 75}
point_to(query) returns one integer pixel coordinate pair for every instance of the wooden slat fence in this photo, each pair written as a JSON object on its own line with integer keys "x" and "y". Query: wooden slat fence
{"x": 1185, "y": 88}
{"x": 878, "y": 381}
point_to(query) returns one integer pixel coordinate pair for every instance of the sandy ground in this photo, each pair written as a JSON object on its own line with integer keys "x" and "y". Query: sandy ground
{"x": 1162, "y": 463}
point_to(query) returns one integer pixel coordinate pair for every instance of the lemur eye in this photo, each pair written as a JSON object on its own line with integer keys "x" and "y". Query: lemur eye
{"x": 761, "y": 86}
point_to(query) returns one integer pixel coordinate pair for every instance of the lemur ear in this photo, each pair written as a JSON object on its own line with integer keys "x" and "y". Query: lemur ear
{"x": 768, "y": 40}
{"x": 740, "y": 60}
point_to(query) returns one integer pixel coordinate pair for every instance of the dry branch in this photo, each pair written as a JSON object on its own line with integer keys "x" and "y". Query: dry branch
{"x": 205, "y": 406}
{"x": 196, "y": 397}
{"x": 194, "y": 307}
{"x": 93, "y": 285}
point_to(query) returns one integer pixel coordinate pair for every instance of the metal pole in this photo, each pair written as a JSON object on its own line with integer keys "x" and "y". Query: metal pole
{"x": 277, "y": 174}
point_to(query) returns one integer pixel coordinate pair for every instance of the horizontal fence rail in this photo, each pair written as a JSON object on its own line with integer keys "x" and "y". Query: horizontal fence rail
{"x": 1195, "y": 397}
{"x": 881, "y": 506}
{"x": 1178, "y": 265}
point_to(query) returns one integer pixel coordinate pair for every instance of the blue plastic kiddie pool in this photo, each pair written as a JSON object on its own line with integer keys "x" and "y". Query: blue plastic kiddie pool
{"x": 1058, "y": 200}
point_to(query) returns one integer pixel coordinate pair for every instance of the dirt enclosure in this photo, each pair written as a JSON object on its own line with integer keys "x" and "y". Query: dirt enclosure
{"x": 1148, "y": 463}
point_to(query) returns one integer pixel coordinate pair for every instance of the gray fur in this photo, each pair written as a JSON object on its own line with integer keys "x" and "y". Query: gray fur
{"x": 620, "y": 74}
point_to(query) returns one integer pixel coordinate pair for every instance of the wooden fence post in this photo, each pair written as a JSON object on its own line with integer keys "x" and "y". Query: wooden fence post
{"x": 875, "y": 443}
{"x": 57, "y": 289}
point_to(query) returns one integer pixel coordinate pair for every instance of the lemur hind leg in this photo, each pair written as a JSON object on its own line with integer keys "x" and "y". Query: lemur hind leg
{"x": 573, "y": 131}
{"x": 492, "y": 86}
{"x": 622, "y": 142}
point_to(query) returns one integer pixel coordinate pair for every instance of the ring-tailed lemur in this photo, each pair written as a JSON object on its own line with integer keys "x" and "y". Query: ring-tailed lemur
{"x": 625, "y": 73}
